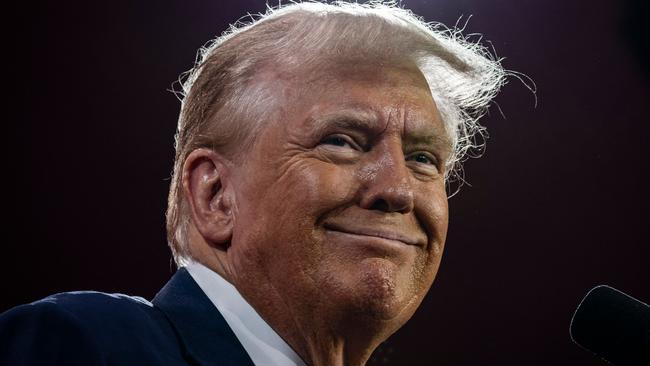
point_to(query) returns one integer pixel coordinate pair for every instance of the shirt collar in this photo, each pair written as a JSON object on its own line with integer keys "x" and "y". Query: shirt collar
{"x": 204, "y": 334}
{"x": 261, "y": 342}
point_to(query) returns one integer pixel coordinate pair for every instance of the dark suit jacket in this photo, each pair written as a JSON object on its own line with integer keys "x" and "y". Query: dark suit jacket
{"x": 180, "y": 327}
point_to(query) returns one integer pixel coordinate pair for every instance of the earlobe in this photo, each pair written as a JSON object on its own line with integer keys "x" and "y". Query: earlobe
{"x": 207, "y": 191}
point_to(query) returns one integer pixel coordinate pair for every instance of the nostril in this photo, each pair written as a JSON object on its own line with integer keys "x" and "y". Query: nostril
{"x": 381, "y": 205}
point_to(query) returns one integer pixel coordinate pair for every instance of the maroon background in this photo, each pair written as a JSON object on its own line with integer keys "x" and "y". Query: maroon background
{"x": 558, "y": 204}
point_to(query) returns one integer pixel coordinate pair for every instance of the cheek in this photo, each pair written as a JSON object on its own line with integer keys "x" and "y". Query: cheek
{"x": 313, "y": 188}
{"x": 277, "y": 221}
{"x": 434, "y": 213}
{"x": 440, "y": 212}
{"x": 436, "y": 206}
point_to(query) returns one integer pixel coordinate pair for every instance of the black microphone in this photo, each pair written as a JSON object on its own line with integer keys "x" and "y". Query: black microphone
{"x": 614, "y": 326}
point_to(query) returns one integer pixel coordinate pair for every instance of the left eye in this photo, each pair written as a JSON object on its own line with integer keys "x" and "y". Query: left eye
{"x": 422, "y": 158}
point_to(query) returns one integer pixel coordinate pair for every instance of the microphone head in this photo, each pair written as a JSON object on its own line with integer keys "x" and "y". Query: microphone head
{"x": 613, "y": 326}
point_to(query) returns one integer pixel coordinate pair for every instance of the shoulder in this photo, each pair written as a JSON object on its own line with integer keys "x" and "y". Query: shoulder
{"x": 91, "y": 327}
{"x": 91, "y": 306}
{"x": 95, "y": 311}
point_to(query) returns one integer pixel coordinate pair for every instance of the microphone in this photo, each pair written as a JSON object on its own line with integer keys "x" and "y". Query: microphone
{"x": 614, "y": 326}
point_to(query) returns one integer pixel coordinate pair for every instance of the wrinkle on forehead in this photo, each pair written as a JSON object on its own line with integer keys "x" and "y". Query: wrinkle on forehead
{"x": 329, "y": 94}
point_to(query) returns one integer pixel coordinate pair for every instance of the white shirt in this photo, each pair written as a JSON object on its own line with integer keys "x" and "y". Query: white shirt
{"x": 264, "y": 346}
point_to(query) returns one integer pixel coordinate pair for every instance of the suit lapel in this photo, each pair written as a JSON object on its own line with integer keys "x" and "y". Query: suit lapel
{"x": 206, "y": 336}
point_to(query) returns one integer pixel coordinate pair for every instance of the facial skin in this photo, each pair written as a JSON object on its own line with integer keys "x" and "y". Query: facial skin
{"x": 333, "y": 226}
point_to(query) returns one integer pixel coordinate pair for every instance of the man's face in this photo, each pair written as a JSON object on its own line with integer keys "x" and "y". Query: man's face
{"x": 341, "y": 206}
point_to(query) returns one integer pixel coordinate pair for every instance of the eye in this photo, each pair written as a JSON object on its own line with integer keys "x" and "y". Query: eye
{"x": 339, "y": 140}
{"x": 423, "y": 158}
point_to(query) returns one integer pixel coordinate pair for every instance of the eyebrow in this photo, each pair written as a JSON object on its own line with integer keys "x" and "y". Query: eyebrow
{"x": 349, "y": 119}
{"x": 368, "y": 122}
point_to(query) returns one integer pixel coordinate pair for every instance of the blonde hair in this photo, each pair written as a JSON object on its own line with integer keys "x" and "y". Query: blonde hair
{"x": 219, "y": 99}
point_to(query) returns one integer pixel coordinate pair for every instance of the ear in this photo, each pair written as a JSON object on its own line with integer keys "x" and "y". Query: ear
{"x": 207, "y": 191}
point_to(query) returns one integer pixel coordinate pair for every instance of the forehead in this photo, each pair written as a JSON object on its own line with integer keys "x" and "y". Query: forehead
{"x": 379, "y": 97}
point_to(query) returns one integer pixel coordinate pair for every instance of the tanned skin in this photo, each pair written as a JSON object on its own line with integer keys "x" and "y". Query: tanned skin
{"x": 333, "y": 225}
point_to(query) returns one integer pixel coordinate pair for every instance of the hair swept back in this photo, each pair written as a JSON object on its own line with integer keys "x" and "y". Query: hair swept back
{"x": 218, "y": 95}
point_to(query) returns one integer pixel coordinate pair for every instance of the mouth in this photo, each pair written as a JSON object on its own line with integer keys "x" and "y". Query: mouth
{"x": 377, "y": 232}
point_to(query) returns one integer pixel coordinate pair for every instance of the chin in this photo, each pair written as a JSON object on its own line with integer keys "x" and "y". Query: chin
{"x": 382, "y": 291}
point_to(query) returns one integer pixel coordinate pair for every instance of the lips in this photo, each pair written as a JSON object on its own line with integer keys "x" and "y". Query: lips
{"x": 380, "y": 232}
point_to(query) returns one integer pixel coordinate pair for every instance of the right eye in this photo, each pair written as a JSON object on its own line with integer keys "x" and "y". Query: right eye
{"x": 339, "y": 140}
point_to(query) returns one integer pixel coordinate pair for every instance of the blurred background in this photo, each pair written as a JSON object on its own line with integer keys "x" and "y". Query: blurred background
{"x": 557, "y": 204}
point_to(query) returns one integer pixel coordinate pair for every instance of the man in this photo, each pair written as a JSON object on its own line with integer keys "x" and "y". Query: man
{"x": 308, "y": 205}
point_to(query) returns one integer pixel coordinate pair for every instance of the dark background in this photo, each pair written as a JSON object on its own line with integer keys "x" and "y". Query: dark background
{"x": 558, "y": 204}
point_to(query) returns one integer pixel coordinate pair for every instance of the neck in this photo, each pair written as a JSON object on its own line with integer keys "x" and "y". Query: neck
{"x": 327, "y": 349}
{"x": 320, "y": 336}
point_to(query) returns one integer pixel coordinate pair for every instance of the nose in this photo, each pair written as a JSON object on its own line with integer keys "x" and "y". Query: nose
{"x": 386, "y": 183}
